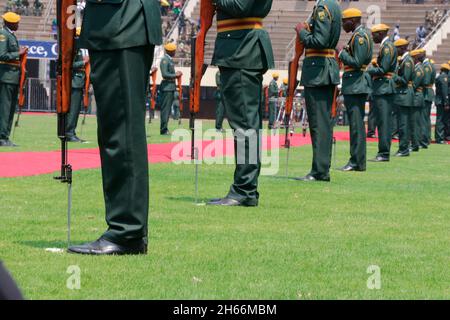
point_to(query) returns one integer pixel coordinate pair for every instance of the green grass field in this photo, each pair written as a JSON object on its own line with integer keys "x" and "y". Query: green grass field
{"x": 304, "y": 241}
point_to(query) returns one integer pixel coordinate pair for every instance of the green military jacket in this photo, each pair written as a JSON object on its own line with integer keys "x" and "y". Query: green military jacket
{"x": 168, "y": 74}
{"x": 283, "y": 90}
{"x": 403, "y": 80}
{"x": 442, "y": 90}
{"x": 78, "y": 73}
{"x": 429, "y": 80}
{"x": 418, "y": 86}
{"x": 384, "y": 71}
{"x": 120, "y": 24}
{"x": 9, "y": 57}
{"x": 356, "y": 58}
{"x": 245, "y": 48}
{"x": 218, "y": 85}
{"x": 325, "y": 26}
{"x": 273, "y": 90}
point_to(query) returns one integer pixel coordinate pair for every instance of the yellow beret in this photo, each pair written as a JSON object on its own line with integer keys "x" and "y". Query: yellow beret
{"x": 445, "y": 66}
{"x": 78, "y": 31}
{"x": 11, "y": 17}
{"x": 170, "y": 47}
{"x": 380, "y": 27}
{"x": 351, "y": 13}
{"x": 275, "y": 75}
{"x": 286, "y": 81}
{"x": 417, "y": 52}
{"x": 401, "y": 42}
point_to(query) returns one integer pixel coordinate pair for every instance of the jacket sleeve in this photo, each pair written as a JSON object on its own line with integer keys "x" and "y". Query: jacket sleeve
{"x": 320, "y": 35}
{"x": 235, "y": 8}
{"x": 165, "y": 70}
{"x": 6, "y": 55}
{"x": 384, "y": 63}
{"x": 360, "y": 49}
{"x": 445, "y": 90}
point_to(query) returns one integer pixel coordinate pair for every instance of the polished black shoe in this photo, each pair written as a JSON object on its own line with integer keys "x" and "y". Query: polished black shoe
{"x": 105, "y": 247}
{"x": 349, "y": 168}
{"x": 380, "y": 159}
{"x": 371, "y": 136}
{"x": 166, "y": 133}
{"x": 228, "y": 202}
{"x": 441, "y": 142}
{"x": 310, "y": 178}
{"x": 414, "y": 149}
{"x": 395, "y": 137}
{"x": 423, "y": 147}
{"x": 7, "y": 143}
{"x": 74, "y": 139}
{"x": 402, "y": 154}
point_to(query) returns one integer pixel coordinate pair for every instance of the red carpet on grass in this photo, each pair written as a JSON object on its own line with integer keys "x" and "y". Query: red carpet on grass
{"x": 23, "y": 164}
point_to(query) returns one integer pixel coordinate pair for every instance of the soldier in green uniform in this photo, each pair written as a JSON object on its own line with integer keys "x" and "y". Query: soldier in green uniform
{"x": 320, "y": 76}
{"x": 121, "y": 36}
{"x": 382, "y": 71}
{"x": 356, "y": 56}
{"x": 404, "y": 97}
{"x": 168, "y": 86}
{"x": 442, "y": 103}
{"x": 419, "y": 102}
{"x": 176, "y": 105}
{"x": 10, "y": 54}
{"x": 243, "y": 53}
{"x": 283, "y": 88}
{"x": 273, "y": 98}
{"x": 429, "y": 96}
{"x": 78, "y": 83}
{"x": 220, "y": 109}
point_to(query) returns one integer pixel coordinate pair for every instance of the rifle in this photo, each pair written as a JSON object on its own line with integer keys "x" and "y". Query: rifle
{"x": 23, "y": 78}
{"x": 153, "y": 75}
{"x": 266, "y": 99}
{"x": 180, "y": 95}
{"x": 66, "y": 52}
{"x": 87, "y": 84}
{"x": 198, "y": 69}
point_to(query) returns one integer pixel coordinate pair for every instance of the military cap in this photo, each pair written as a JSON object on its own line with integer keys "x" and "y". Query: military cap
{"x": 445, "y": 66}
{"x": 11, "y": 17}
{"x": 351, "y": 13}
{"x": 286, "y": 81}
{"x": 380, "y": 27}
{"x": 275, "y": 75}
{"x": 401, "y": 42}
{"x": 417, "y": 52}
{"x": 170, "y": 47}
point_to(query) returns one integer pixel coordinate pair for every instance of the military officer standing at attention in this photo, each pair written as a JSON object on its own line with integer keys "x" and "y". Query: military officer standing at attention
{"x": 168, "y": 86}
{"x": 320, "y": 76}
{"x": 419, "y": 102}
{"x": 404, "y": 97}
{"x": 283, "y": 88}
{"x": 10, "y": 54}
{"x": 121, "y": 37}
{"x": 220, "y": 109}
{"x": 382, "y": 71}
{"x": 356, "y": 56}
{"x": 429, "y": 96}
{"x": 273, "y": 98}
{"x": 442, "y": 103}
{"x": 78, "y": 82}
{"x": 243, "y": 53}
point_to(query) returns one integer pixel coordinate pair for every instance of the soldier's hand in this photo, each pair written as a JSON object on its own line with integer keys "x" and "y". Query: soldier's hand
{"x": 299, "y": 27}
{"x": 86, "y": 60}
{"x": 23, "y": 50}
{"x": 179, "y": 73}
{"x": 374, "y": 62}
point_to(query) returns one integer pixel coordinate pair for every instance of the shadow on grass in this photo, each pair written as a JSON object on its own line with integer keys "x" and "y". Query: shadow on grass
{"x": 190, "y": 200}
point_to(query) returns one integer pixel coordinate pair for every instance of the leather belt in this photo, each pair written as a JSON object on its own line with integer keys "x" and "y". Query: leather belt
{"x": 323, "y": 53}
{"x": 239, "y": 24}
{"x": 15, "y": 64}
{"x": 350, "y": 69}
{"x": 388, "y": 75}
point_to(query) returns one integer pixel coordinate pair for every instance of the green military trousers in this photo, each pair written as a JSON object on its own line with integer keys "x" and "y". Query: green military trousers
{"x": 383, "y": 115}
{"x": 242, "y": 98}
{"x": 407, "y": 129}
{"x": 371, "y": 121}
{"x": 414, "y": 125}
{"x": 425, "y": 132}
{"x": 356, "y": 111}
{"x": 439, "y": 133}
{"x": 8, "y": 102}
{"x": 272, "y": 112}
{"x": 166, "y": 107}
{"x": 318, "y": 106}
{"x": 120, "y": 79}
{"x": 220, "y": 113}
{"x": 395, "y": 120}
{"x": 74, "y": 113}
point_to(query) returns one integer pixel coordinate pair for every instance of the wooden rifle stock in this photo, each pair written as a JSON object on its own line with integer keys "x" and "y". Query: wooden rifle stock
{"x": 336, "y": 90}
{"x": 87, "y": 85}
{"x": 153, "y": 76}
{"x": 293, "y": 69}
{"x": 266, "y": 98}
{"x": 23, "y": 77}
{"x": 180, "y": 91}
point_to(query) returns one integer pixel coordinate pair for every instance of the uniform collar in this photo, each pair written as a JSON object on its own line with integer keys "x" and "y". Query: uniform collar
{"x": 169, "y": 57}
{"x": 8, "y": 29}
{"x": 426, "y": 61}
{"x": 384, "y": 40}
{"x": 360, "y": 26}
{"x": 405, "y": 55}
